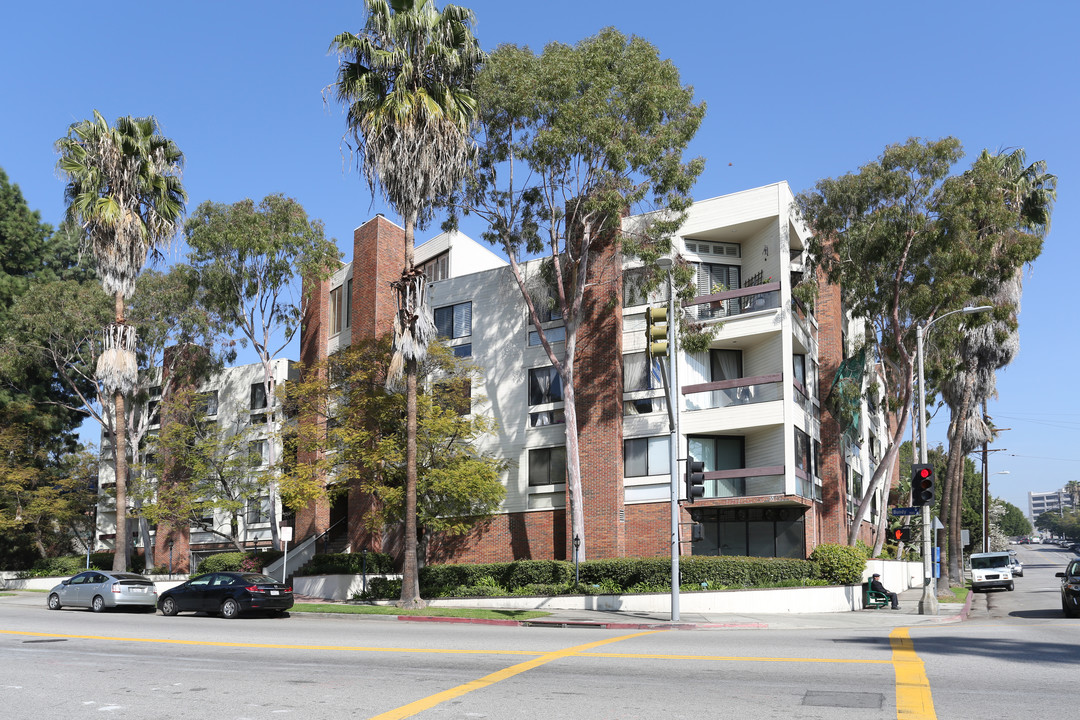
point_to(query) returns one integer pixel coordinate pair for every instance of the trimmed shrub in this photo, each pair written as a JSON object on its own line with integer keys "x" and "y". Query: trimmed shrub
{"x": 839, "y": 564}
{"x": 380, "y": 588}
{"x": 222, "y": 562}
{"x": 59, "y": 566}
{"x": 349, "y": 564}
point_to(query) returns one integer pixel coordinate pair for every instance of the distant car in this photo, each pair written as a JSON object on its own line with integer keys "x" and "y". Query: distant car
{"x": 227, "y": 594}
{"x": 101, "y": 590}
{"x": 1074, "y": 548}
{"x": 992, "y": 569}
{"x": 1015, "y": 564}
{"x": 1070, "y": 589}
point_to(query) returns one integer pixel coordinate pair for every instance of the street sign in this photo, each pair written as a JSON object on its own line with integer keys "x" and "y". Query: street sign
{"x": 904, "y": 511}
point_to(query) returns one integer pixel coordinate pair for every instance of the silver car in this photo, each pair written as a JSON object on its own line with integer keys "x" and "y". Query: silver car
{"x": 102, "y": 589}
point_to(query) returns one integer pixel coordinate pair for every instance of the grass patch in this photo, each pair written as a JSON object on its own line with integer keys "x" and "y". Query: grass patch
{"x": 473, "y": 613}
{"x": 959, "y": 594}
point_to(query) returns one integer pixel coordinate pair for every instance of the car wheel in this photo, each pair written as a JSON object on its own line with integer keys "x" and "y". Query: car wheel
{"x": 1011, "y": 587}
{"x": 1065, "y": 608}
{"x": 168, "y": 607}
{"x": 54, "y": 602}
{"x": 97, "y": 604}
{"x": 230, "y": 609}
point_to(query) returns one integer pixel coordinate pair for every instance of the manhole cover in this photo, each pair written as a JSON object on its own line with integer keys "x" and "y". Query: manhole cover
{"x": 843, "y": 699}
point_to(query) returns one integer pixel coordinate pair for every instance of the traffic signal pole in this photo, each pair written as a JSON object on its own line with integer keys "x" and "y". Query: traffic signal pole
{"x": 928, "y": 605}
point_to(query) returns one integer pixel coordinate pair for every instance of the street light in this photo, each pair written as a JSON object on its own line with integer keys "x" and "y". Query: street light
{"x": 986, "y": 504}
{"x": 929, "y": 604}
{"x": 666, "y": 263}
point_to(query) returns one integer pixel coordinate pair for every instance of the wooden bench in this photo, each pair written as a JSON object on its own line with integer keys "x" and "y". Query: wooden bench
{"x": 872, "y": 599}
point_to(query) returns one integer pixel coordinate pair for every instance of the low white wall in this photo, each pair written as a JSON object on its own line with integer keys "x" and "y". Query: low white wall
{"x": 46, "y": 583}
{"x": 333, "y": 587}
{"x": 896, "y": 575}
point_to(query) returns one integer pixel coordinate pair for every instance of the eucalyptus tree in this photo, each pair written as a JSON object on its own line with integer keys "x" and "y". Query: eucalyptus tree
{"x": 124, "y": 191}
{"x": 245, "y": 261}
{"x": 877, "y": 236}
{"x": 405, "y": 81}
{"x": 570, "y": 141}
{"x": 1000, "y": 208}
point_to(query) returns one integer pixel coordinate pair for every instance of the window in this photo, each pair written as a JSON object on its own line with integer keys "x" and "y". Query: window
{"x": 720, "y": 452}
{"x": 337, "y": 314}
{"x": 725, "y": 364}
{"x": 454, "y": 321}
{"x": 207, "y": 403}
{"x": 634, "y": 289}
{"x": 638, "y": 374}
{"x": 799, "y": 365}
{"x": 547, "y": 466}
{"x": 802, "y": 451}
{"x": 711, "y": 276}
{"x": 554, "y": 335}
{"x": 464, "y": 350}
{"x": 258, "y": 510}
{"x": 258, "y": 453}
{"x": 644, "y": 406}
{"x": 454, "y": 394}
{"x": 437, "y": 268}
{"x": 547, "y": 417}
{"x": 545, "y": 386}
{"x": 646, "y": 456}
{"x": 153, "y": 406}
{"x": 258, "y": 396}
{"x": 348, "y": 303}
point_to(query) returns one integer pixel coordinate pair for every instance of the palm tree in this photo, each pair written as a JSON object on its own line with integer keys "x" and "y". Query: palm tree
{"x": 1010, "y": 231}
{"x": 124, "y": 191}
{"x": 406, "y": 83}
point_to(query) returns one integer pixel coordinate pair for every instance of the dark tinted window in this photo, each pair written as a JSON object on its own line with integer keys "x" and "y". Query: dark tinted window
{"x": 259, "y": 579}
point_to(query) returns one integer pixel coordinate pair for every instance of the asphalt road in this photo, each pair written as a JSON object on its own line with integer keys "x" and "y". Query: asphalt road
{"x": 1015, "y": 658}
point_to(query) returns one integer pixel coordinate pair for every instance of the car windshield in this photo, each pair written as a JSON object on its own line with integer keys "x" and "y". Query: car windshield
{"x": 259, "y": 579}
{"x": 984, "y": 563}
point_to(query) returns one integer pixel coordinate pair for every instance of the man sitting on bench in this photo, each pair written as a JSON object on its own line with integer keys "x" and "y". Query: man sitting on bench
{"x": 876, "y": 586}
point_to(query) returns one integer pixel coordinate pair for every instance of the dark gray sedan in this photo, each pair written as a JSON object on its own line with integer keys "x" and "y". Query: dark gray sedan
{"x": 102, "y": 589}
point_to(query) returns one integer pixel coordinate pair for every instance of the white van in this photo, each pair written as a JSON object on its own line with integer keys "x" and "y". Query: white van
{"x": 993, "y": 569}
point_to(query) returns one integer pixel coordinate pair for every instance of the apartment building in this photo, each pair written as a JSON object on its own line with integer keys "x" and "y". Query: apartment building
{"x": 234, "y": 403}
{"x": 1040, "y": 502}
{"x": 781, "y": 475}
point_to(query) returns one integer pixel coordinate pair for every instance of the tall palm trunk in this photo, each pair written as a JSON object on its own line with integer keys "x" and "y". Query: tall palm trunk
{"x": 120, "y": 555}
{"x": 410, "y": 572}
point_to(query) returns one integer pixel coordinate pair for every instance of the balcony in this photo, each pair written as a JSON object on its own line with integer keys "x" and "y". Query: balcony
{"x": 727, "y": 393}
{"x": 730, "y": 303}
{"x": 745, "y": 482}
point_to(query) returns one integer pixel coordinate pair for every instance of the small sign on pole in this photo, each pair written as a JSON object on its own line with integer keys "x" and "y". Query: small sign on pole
{"x": 901, "y": 511}
{"x": 286, "y": 536}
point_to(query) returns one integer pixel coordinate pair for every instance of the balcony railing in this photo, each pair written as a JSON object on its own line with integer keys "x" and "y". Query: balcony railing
{"x": 735, "y": 302}
{"x": 726, "y": 393}
{"x": 745, "y": 482}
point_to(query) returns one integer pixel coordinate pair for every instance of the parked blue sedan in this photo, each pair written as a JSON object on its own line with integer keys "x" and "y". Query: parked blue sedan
{"x": 227, "y": 594}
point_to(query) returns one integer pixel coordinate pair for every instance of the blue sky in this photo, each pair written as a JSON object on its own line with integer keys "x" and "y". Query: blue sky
{"x": 795, "y": 91}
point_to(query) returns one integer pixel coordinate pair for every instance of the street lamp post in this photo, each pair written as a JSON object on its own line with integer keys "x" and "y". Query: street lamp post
{"x": 928, "y": 605}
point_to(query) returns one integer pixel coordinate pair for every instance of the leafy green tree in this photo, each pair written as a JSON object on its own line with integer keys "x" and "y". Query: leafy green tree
{"x": 124, "y": 191}
{"x": 878, "y": 236}
{"x": 570, "y": 140}
{"x": 245, "y": 259}
{"x": 198, "y": 469}
{"x": 1013, "y": 522}
{"x": 406, "y": 82}
{"x": 364, "y": 445}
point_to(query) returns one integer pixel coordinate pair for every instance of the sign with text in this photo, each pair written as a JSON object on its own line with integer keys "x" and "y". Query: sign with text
{"x": 904, "y": 511}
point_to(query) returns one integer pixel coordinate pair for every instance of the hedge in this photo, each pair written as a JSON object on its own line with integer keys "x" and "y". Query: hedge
{"x": 349, "y": 564}
{"x": 238, "y": 561}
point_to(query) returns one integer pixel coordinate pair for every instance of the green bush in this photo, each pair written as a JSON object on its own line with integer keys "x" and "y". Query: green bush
{"x": 839, "y": 564}
{"x": 380, "y": 588}
{"x": 222, "y": 562}
{"x": 349, "y": 564}
{"x": 58, "y": 566}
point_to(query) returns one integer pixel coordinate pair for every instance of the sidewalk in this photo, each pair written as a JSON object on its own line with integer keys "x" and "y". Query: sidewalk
{"x": 907, "y": 615}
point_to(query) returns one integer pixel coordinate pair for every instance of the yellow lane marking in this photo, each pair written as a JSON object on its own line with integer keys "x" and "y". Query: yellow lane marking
{"x": 212, "y": 643}
{"x": 431, "y": 701}
{"x": 913, "y": 698}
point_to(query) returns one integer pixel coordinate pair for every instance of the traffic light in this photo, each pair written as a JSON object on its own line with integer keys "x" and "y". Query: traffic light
{"x": 902, "y": 534}
{"x": 695, "y": 478}
{"x": 922, "y": 485}
{"x": 697, "y": 532}
{"x": 656, "y": 331}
